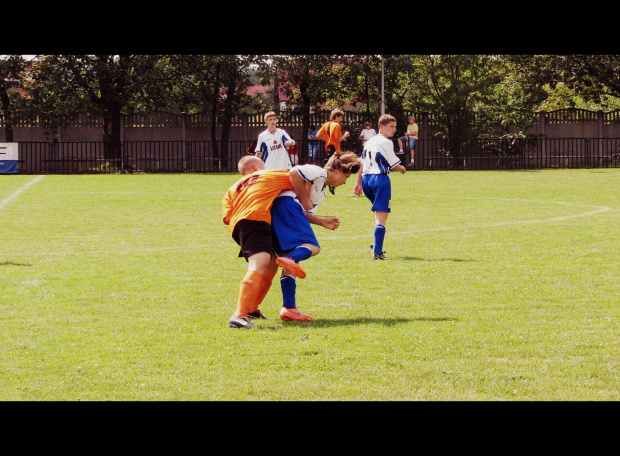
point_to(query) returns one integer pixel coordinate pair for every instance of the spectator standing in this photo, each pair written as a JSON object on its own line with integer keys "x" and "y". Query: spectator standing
{"x": 366, "y": 133}
{"x": 313, "y": 144}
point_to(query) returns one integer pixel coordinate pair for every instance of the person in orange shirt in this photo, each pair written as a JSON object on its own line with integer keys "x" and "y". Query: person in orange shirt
{"x": 246, "y": 209}
{"x": 331, "y": 133}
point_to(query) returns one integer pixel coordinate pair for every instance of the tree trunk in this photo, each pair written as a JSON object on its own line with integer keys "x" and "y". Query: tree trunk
{"x": 112, "y": 137}
{"x": 8, "y": 120}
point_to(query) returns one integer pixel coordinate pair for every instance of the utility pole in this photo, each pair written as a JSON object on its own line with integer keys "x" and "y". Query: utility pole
{"x": 382, "y": 86}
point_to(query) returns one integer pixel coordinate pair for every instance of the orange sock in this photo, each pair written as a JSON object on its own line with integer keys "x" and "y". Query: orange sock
{"x": 248, "y": 291}
{"x": 263, "y": 288}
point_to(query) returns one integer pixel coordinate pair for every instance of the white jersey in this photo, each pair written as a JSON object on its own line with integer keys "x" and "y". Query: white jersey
{"x": 315, "y": 175}
{"x": 271, "y": 144}
{"x": 378, "y": 156}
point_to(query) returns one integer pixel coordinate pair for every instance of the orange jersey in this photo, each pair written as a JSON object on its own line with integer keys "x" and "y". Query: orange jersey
{"x": 331, "y": 133}
{"x": 251, "y": 197}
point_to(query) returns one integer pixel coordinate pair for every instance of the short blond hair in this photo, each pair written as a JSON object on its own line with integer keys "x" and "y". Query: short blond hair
{"x": 386, "y": 119}
{"x": 248, "y": 162}
{"x": 270, "y": 114}
{"x": 336, "y": 113}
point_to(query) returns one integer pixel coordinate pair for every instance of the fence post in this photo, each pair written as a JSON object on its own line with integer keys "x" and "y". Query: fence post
{"x": 184, "y": 139}
{"x": 542, "y": 119}
{"x": 122, "y": 139}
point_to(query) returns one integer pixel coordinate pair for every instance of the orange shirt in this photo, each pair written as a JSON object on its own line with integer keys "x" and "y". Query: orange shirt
{"x": 331, "y": 133}
{"x": 251, "y": 197}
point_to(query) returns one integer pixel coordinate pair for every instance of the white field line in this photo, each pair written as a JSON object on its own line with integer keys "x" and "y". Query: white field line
{"x": 128, "y": 250}
{"x": 6, "y": 201}
{"x": 597, "y": 209}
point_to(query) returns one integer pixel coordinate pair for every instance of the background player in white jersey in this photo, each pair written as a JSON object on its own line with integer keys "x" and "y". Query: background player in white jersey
{"x": 295, "y": 240}
{"x": 272, "y": 143}
{"x": 373, "y": 178}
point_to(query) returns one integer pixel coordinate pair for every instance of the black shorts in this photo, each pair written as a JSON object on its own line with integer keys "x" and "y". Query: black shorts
{"x": 253, "y": 237}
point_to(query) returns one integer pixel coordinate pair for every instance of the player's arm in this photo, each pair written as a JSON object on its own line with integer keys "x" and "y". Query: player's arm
{"x": 400, "y": 168}
{"x": 302, "y": 188}
{"x": 331, "y": 223}
{"x": 358, "y": 185}
{"x": 227, "y": 208}
{"x": 258, "y": 152}
{"x": 288, "y": 142}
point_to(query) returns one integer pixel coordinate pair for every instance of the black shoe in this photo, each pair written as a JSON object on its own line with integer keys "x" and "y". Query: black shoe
{"x": 259, "y": 315}
{"x": 331, "y": 190}
{"x": 378, "y": 256}
{"x": 241, "y": 322}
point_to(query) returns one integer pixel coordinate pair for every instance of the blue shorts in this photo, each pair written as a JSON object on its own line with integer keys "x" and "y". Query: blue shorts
{"x": 411, "y": 142}
{"x": 290, "y": 225}
{"x": 378, "y": 189}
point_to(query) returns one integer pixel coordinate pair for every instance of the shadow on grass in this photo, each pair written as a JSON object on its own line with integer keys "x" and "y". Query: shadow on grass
{"x": 12, "y": 263}
{"x": 456, "y": 260}
{"x": 328, "y": 323}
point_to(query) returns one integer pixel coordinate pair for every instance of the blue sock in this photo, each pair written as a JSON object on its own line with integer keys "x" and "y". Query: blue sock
{"x": 379, "y": 237}
{"x": 288, "y": 285}
{"x": 299, "y": 254}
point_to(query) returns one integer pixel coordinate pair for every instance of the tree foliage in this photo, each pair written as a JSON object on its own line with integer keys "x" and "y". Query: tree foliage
{"x": 468, "y": 95}
{"x": 12, "y": 76}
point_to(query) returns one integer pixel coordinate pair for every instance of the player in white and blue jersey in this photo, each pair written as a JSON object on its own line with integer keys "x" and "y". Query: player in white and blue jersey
{"x": 379, "y": 159}
{"x": 272, "y": 143}
{"x": 294, "y": 238}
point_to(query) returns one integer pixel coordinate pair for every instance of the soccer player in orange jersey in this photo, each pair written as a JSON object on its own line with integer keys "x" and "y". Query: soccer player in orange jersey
{"x": 246, "y": 209}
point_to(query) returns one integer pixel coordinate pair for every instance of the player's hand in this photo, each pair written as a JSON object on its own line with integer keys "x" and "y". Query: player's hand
{"x": 331, "y": 223}
{"x": 357, "y": 190}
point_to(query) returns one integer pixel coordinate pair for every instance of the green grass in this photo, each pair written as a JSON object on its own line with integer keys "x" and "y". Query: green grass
{"x": 500, "y": 286}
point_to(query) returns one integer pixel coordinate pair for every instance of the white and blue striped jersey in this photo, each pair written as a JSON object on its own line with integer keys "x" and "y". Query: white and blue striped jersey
{"x": 378, "y": 156}
{"x": 315, "y": 175}
{"x": 271, "y": 145}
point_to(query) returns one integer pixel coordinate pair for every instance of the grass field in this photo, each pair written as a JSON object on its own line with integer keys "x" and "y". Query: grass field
{"x": 500, "y": 286}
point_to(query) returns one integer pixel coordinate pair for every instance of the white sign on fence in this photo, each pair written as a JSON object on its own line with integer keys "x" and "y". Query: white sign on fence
{"x": 8, "y": 158}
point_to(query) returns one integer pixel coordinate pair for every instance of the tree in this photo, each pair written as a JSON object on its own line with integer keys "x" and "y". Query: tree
{"x": 12, "y": 68}
{"x": 562, "y": 81}
{"x": 311, "y": 81}
{"x": 106, "y": 85}
{"x": 216, "y": 84}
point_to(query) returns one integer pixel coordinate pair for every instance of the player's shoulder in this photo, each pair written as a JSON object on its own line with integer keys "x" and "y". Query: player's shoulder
{"x": 310, "y": 172}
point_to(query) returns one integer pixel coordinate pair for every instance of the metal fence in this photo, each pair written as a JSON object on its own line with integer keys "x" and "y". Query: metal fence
{"x": 210, "y": 156}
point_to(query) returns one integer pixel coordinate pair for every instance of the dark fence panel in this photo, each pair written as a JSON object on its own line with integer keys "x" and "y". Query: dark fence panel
{"x": 210, "y": 156}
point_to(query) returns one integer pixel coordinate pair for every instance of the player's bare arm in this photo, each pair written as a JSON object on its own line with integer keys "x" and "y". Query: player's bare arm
{"x": 331, "y": 223}
{"x": 302, "y": 189}
{"x": 400, "y": 168}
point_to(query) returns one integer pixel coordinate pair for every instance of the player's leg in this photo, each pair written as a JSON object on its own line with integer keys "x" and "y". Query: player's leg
{"x": 263, "y": 288}
{"x": 293, "y": 235}
{"x": 381, "y": 207}
{"x": 255, "y": 239}
{"x": 289, "y": 310}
